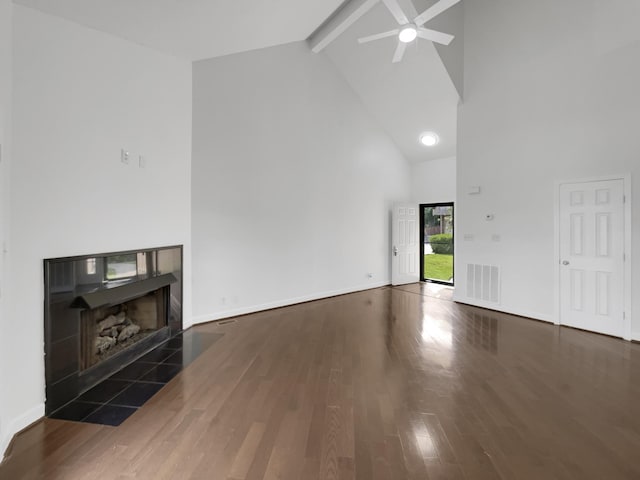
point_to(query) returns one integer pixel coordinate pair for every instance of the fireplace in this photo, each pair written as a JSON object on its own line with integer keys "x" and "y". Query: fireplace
{"x": 107, "y": 331}
{"x": 104, "y": 311}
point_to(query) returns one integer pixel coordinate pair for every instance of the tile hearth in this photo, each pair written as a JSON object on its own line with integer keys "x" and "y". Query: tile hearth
{"x": 112, "y": 401}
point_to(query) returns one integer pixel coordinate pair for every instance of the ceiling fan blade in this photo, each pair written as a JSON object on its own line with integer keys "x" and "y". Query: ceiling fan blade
{"x": 399, "y": 52}
{"x": 434, "y": 11}
{"x": 378, "y": 36}
{"x": 432, "y": 35}
{"x": 396, "y": 11}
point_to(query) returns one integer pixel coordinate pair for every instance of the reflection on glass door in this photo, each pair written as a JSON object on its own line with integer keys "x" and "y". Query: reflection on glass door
{"x": 437, "y": 242}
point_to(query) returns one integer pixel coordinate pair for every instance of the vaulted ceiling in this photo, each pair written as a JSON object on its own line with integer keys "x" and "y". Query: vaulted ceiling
{"x": 406, "y": 98}
{"x": 196, "y": 29}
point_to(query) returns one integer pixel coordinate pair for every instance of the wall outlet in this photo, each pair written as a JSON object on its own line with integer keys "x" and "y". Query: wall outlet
{"x": 124, "y": 156}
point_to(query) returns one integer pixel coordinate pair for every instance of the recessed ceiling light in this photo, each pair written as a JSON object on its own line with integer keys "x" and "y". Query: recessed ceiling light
{"x": 408, "y": 33}
{"x": 429, "y": 139}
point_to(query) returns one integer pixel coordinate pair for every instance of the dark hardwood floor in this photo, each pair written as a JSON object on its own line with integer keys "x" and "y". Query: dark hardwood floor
{"x": 391, "y": 383}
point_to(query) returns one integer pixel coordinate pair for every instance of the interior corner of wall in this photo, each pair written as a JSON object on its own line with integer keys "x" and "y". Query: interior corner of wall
{"x": 17, "y": 424}
{"x": 457, "y": 296}
{"x": 188, "y": 322}
{"x": 4, "y": 443}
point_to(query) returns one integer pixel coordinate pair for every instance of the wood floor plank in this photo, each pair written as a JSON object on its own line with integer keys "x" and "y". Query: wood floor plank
{"x": 329, "y": 463}
{"x": 247, "y": 451}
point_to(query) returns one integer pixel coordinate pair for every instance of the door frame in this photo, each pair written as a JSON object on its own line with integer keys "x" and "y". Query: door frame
{"x": 453, "y": 214}
{"x": 626, "y": 276}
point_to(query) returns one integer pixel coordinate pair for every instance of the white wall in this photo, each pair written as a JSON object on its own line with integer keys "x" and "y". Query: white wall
{"x": 79, "y": 96}
{"x": 292, "y": 183}
{"x": 547, "y": 97}
{"x": 434, "y": 181}
{"x": 5, "y": 142}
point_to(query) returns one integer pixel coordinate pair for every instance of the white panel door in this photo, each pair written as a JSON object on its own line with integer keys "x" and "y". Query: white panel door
{"x": 592, "y": 256}
{"x": 405, "y": 245}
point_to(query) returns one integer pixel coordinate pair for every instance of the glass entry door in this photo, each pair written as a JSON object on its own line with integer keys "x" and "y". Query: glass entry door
{"x": 437, "y": 242}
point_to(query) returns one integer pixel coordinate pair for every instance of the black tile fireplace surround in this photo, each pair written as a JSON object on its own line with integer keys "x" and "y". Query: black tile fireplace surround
{"x": 104, "y": 311}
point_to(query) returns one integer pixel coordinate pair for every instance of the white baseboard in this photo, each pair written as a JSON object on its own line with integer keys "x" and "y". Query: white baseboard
{"x": 635, "y": 336}
{"x": 19, "y": 423}
{"x": 282, "y": 303}
{"x": 500, "y": 308}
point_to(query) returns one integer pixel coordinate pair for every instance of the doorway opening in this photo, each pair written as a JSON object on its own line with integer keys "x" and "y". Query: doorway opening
{"x": 436, "y": 243}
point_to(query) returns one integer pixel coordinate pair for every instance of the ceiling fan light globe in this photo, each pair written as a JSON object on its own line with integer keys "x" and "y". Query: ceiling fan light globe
{"x": 408, "y": 34}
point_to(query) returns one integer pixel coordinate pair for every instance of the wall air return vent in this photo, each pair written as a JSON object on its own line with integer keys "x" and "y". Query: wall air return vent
{"x": 483, "y": 282}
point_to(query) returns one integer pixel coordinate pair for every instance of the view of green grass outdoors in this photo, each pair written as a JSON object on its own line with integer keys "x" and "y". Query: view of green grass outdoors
{"x": 438, "y": 243}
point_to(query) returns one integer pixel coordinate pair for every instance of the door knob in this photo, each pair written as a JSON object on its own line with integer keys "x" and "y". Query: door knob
{"x": 565, "y": 262}
{"x": 395, "y": 251}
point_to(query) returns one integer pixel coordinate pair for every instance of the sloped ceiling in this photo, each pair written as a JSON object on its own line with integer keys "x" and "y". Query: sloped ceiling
{"x": 407, "y": 98}
{"x": 196, "y": 29}
{"x": 450, "y": 21}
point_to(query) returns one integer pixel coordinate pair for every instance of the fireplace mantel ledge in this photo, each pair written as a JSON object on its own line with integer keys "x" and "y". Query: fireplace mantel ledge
{"x": 115, "y": 295}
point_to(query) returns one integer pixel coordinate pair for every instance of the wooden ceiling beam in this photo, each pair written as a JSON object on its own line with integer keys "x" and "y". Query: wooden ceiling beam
{"x": 349, "y": 13}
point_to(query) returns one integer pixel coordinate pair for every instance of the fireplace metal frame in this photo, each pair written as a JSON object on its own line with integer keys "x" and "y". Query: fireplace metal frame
{"x": 65, "y": 297}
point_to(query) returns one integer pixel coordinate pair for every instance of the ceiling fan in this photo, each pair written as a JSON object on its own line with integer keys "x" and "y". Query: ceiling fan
{"x": 409, "y": 31}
